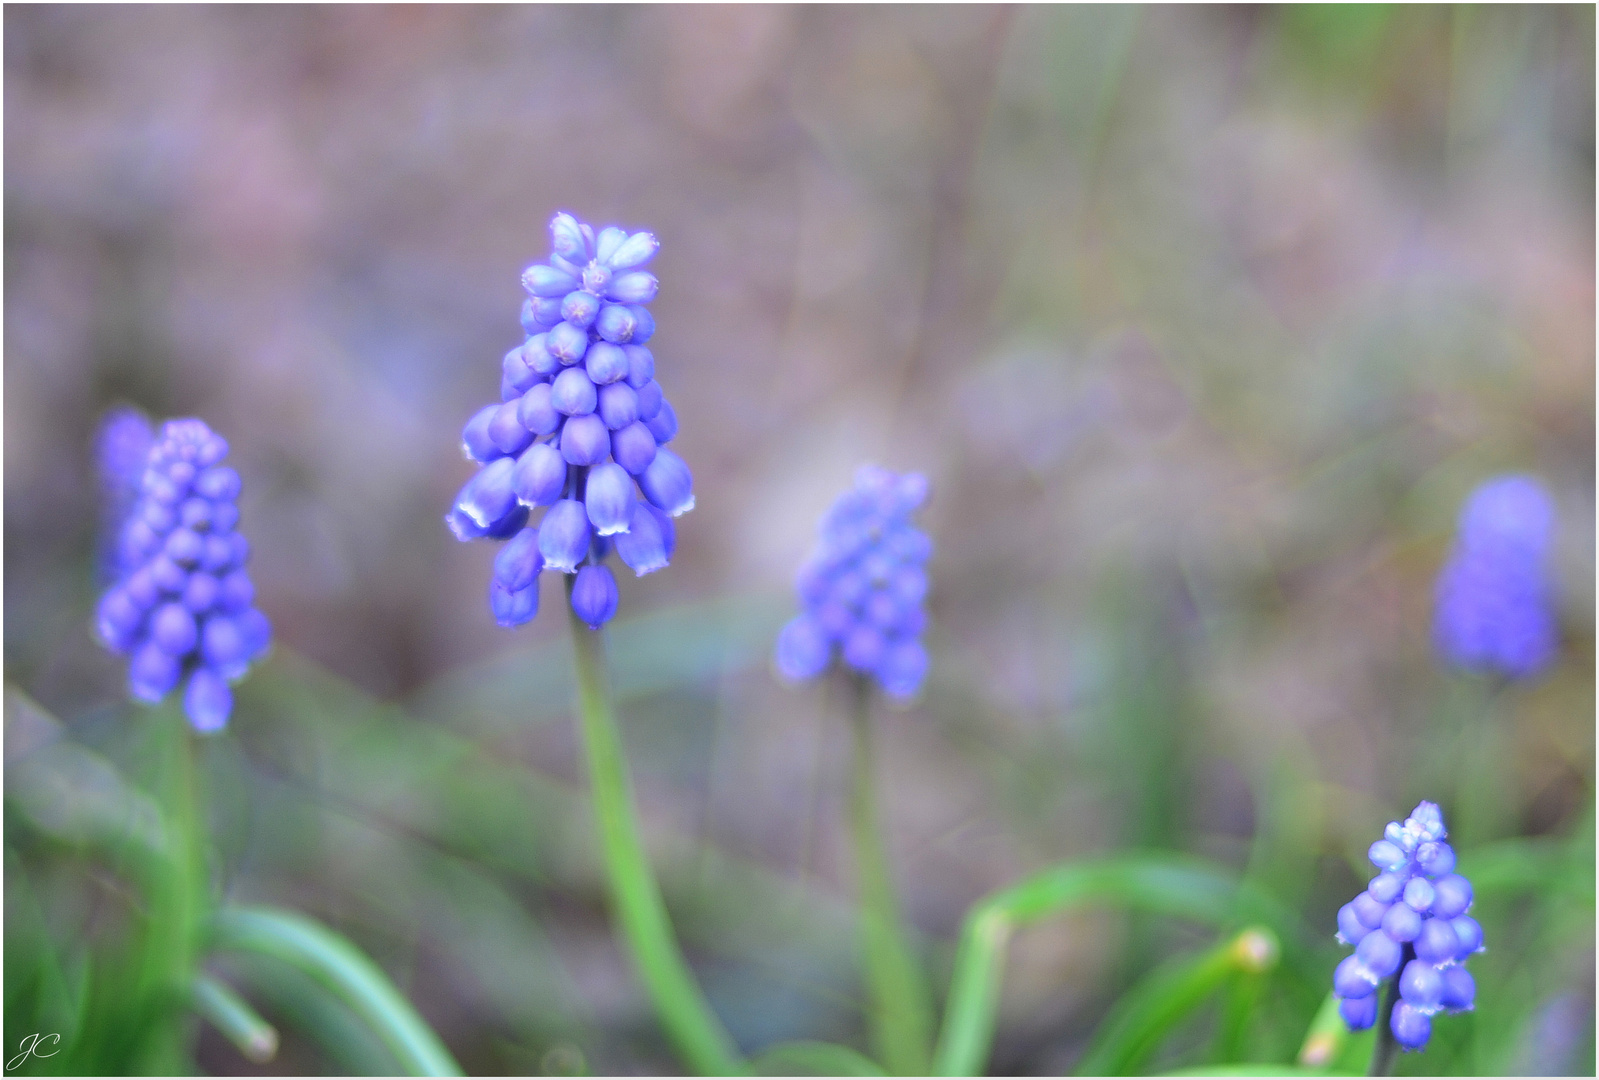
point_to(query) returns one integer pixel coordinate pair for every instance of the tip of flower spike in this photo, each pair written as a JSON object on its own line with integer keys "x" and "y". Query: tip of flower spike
{"x": 1514, "y": 510}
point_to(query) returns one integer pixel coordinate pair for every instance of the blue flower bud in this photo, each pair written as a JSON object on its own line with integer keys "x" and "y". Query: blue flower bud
{"x": 643, "y": 323}
{"x": 585, "y": 440}
{"x": 643, "y": 546}
{"x": 518, "y": 564}
{"x": 173, "y": 628}
{"x": 594, "y": 595}
{"x": 668, "y": 484}
{"x": 168, "y": 575}
{"x": 1437, "y": 941}
{"x": 640, "y": 365}
{"x": 1380, "y": 953}
{"x": 638, "y": 287}
{"x": 1402, "y": 922}
{"x": 540, "y": 475}
{"x": 803, "y": 649}
{"x": 616, "y": 323}
{"x": 618, "y": 405}
{"x": 152, "y": 673}
{"x": 547, "y": 282}
{"x": 568, "y": 240}
{"x": 636, "y": 250}
{"x": 487, "y": 497}
{"x": 1359, "y": 1013}
{"x": 1451, "y": 896}
{"x": 195, "y": 513}
{"x": 1459, "y": 989}
{"x": 475, "y": 441}
{"x": 1421, "y": 986}
{"x": 1419, "y": 893}
{"x": 539, "y": 358}
{"x": 219, "y": 482}
{"x": 224, "y": 515}
{"x": 864, "y": 649}
{"x": 606, "y": 363}
{"x": 208, "y": 701}
{"x": 564, "y": 536}
{"x": 537, "y": 412}
{"x": 1350, "y": 928}
{"x": 572, "y": 393}
{"x": 506, "y": 431}
{"x": 1411, "y": 1027}
{"x": 668, "y": 528}
{"x": 1435, "y": 858}
{"x": 903, "y": 668}
{"x": 1369, "y": 910}
{"x": 649, "y": 400}
{"x": 184, "y": 546}
{"x": 566, "y": 343}
{"x": 510, "y": 608}
{"x": 236, "y": 592}
{"x": 608, "y": 243}
{"x": 580, "y": 308}
{"x": 596, "y": 278}
{"x": 1386, "y": 855}
{"x": 509, "y": 525}
{"x": 224, "y": 646}
{"x": 1353, "y": 980}
{"x": 608, "y": 496}
{"x": 200, "y": 592}
{"x": 633, "y": 447}
{"x": 530, "y": 322}
{"x": 514, "y": 369}
{"x": 663, "y": 425}
{"x": 546, "y": 313}
{"x": 257, "y": 632}
{"x": 1469, "y": 931}
{"x": 142, "y": 589}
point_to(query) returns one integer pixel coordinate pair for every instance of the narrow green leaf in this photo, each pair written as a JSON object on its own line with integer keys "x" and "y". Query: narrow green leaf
{"x": 809, "y": 1058}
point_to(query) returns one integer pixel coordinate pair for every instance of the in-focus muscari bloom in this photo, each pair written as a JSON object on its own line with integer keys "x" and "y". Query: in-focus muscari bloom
{"x": 581, "y": 428}
{"x": 182, "y": 608}
{"x": 862, "y": 589}
{"x": 1493, "y": 609}
{"x": 1410, "y": 923}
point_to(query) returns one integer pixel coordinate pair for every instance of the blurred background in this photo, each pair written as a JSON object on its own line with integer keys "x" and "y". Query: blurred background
{"x": 1202, "y": 322}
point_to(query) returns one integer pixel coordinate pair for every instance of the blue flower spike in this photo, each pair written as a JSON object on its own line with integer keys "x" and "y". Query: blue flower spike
{"x": 1493, "y": 612}
{"x": 1410, "y": 923}
{"x": 182, "y": 605}
{"x": 578, "y": 430}
{"x": 861, "y": 592}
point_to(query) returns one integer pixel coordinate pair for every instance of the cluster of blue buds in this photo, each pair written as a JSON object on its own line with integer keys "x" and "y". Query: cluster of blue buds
{"x": 863, "y": 587}
{"x": 1411, "y": 920}
{"x": 1493, "y": 612}
{"x": 581, "y": 421}
{"x": 182, "y": 605}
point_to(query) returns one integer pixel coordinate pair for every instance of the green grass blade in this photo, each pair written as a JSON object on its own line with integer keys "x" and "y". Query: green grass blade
{"x": 1145, "y": 1015}
{"x": 236, "y": 1018}
{"x": 1163, "y": 884}
{"x": 343, "y": 969}
{"x": 810, "y": 1058}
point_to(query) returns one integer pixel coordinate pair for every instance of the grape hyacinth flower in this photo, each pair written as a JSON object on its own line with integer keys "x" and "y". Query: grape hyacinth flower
{"x": 183, "y": 606}
{"x": 581, "y": 428}
{"x": 1493, "y": 613}
{"x": 862, "y": 590}
{"x": 1410, "y": 923}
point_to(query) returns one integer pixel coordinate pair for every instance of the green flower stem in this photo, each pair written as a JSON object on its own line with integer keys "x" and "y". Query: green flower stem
{"x": 901, "y": 1011}
{"x": 1165, "y": 884}
{"x": 344, "y": 970}
{"x": 232, "y": 1015}
{"x": 1144, "y": 1016}
{"x": 1382, "y": 1056}
{"x": 692, "y": 1027}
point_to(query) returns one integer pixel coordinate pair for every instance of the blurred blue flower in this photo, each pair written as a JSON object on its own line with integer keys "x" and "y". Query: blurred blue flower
{"x": 121, "y": 447}
{"x": 182, "y": 606}
{"x": 1493, "y": 610}
{"x": 862, "y": 589}
{"x": 1411, "y": 922}
{"x": 579, "y": 429}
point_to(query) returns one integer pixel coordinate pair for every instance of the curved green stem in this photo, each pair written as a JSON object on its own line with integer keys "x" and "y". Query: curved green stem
{"x": 338, "y": 965}
{"x": 901, "y": 1011}
{"x": 692, "y": 1027}
{"x": 1165, "y": 884}
{"x": 1145, "y": 1015}
{"x": 234, "y": 1017}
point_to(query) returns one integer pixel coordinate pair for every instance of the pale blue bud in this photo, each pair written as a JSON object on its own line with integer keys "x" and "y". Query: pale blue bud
{"x": 608, "y": 496}
{"x": 564, "y": 536}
